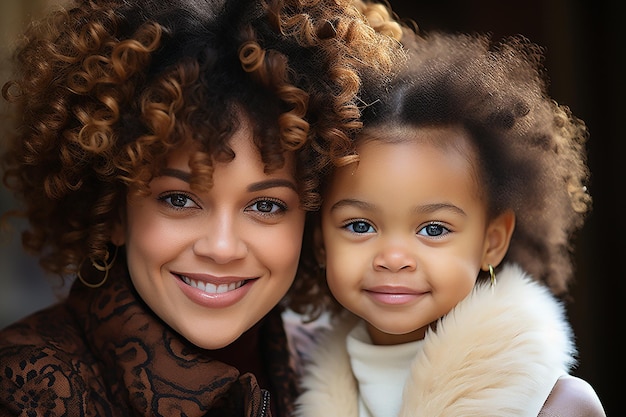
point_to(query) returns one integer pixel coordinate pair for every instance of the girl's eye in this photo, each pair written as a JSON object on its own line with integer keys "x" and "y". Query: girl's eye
{"x": 267, "y": 207}
{"x": 178, "y": 200}
{"x": 360, "y": 226}
{"x": 433, "y": 230}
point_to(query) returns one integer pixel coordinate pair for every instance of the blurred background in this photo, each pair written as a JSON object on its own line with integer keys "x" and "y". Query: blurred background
{"x": 23, "y": 287}
{"x": 585, "y": 59}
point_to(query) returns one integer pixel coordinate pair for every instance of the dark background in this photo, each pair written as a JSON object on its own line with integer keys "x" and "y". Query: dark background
{"x": 585, "y": 61}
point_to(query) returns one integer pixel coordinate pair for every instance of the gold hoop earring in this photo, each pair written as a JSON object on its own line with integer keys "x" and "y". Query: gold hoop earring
{"x": 492, "y": 276}
{"x": 105, "y": 267}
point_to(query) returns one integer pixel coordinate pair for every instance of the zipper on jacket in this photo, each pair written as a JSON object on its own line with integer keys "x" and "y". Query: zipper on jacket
{"x": 265, "y": 403}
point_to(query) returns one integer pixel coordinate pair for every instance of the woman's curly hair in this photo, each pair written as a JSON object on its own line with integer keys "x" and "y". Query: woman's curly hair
{"x": 103, "y": 90}
{"x": 531, "y": 150}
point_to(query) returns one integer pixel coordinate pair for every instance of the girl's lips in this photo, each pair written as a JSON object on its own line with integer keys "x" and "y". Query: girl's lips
{"x": 394, "y": 295}
{"x": 212, "y": 294}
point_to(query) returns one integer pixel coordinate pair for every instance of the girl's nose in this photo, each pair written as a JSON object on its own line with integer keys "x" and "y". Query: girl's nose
{"x": 221, "y": 240}
{"x": 395, "y": 258}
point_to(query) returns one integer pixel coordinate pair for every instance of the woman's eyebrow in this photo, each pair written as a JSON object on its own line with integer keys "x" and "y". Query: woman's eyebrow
{"x": 272, "y": 183}
{"x": 256, "y": 186}
{"x": 176, "y": 173}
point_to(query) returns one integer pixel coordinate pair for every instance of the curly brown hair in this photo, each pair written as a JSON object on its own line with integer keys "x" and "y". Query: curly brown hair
{"x": 531, "y": 150}
{"x": 103, "y": 90}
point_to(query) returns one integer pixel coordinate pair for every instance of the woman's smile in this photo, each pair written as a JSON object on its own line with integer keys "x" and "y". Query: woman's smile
{"x": 214, "y": 294}
{"x": 212, "y": 263}
{"x": 210, "y": 287}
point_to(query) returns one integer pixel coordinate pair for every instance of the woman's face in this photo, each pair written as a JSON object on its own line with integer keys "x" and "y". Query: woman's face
{"x": 212, "y": 264}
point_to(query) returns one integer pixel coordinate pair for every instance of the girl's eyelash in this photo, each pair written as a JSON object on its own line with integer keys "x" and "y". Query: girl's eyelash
{"x": 445, "y": 230}
{"x": 431, "y": 223}
{"x": 349, "y": 225}
{"x": 352, "y": 221}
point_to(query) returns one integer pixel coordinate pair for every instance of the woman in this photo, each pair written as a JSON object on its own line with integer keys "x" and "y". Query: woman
{"x": 161, "y": 152}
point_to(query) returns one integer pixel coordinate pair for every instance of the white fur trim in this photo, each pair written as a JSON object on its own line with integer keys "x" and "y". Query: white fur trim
{"x": 495, "y": 354}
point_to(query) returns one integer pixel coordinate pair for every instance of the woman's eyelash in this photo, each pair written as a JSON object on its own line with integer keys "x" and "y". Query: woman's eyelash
{"x": 177, "y": 200}
{"x": 282, "y": 207}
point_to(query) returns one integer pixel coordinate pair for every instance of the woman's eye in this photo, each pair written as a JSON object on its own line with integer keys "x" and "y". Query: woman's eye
{"x": 433, "y": 230}
{"x": 178, "y": 200}
{"x": 267, "y": 207}
{"x": 360, "y": 226}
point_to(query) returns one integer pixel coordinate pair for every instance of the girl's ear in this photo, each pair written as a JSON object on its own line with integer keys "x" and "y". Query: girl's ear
{"x": 498, "y": 238}
{"x": 318, "y": 243}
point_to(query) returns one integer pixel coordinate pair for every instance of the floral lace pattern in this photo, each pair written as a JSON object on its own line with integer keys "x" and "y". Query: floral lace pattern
{"x": 104, "y": 353}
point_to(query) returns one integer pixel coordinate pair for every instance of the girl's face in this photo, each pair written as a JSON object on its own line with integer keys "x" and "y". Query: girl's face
{"x": 212, "y": 264}
{"x": 405, "y": 231}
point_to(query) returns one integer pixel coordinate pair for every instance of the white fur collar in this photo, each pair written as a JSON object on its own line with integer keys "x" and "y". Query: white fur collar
{"x": 496, "y": 353}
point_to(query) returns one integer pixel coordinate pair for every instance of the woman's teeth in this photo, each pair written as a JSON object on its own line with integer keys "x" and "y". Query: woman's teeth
{"x": 212, "y": 288}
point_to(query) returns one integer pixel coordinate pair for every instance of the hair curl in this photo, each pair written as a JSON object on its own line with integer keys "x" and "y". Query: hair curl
{"x": 103, "y": 90}
{"x": 531, "y": 150}
{"x": 373, "y": 65}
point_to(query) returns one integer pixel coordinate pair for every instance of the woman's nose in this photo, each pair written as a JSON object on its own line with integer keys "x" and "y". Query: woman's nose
{"x": 221, "y": 240}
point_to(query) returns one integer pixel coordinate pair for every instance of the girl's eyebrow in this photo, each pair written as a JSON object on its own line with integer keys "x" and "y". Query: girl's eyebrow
{"x": 354, "y": 203}
{"x": 430, "y": 208}
{"x": 256, "y": 186}
{"x": 423, "y": 209}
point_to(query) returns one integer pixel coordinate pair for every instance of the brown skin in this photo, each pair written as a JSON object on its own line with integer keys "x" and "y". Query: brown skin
{"x": 402, "y": 260}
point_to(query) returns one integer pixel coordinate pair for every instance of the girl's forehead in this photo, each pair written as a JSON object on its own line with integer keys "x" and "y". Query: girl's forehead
{"x": 416, "y": 149}
{"x": 451, "y": 138}
{"x": 451, "y": 145}
{"x": 444, "y": 137}
{"x": 405, "y": 177}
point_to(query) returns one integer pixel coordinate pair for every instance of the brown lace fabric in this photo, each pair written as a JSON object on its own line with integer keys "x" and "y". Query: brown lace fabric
{"x": 102, "y": 352}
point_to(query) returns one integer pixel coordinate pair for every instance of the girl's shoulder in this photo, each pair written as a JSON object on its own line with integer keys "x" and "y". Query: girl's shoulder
{"x": 572, "y": 397}
{"x": 303, "y": 337}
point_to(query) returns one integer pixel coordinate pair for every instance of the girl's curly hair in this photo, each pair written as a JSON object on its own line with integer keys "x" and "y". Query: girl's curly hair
{"x": 102, "y": 90}
{"x": 531, "y": 150}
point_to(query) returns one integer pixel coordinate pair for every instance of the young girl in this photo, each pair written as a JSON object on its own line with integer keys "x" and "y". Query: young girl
{"x": 161, "y": 157}
{"x": 445, "y": 235}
